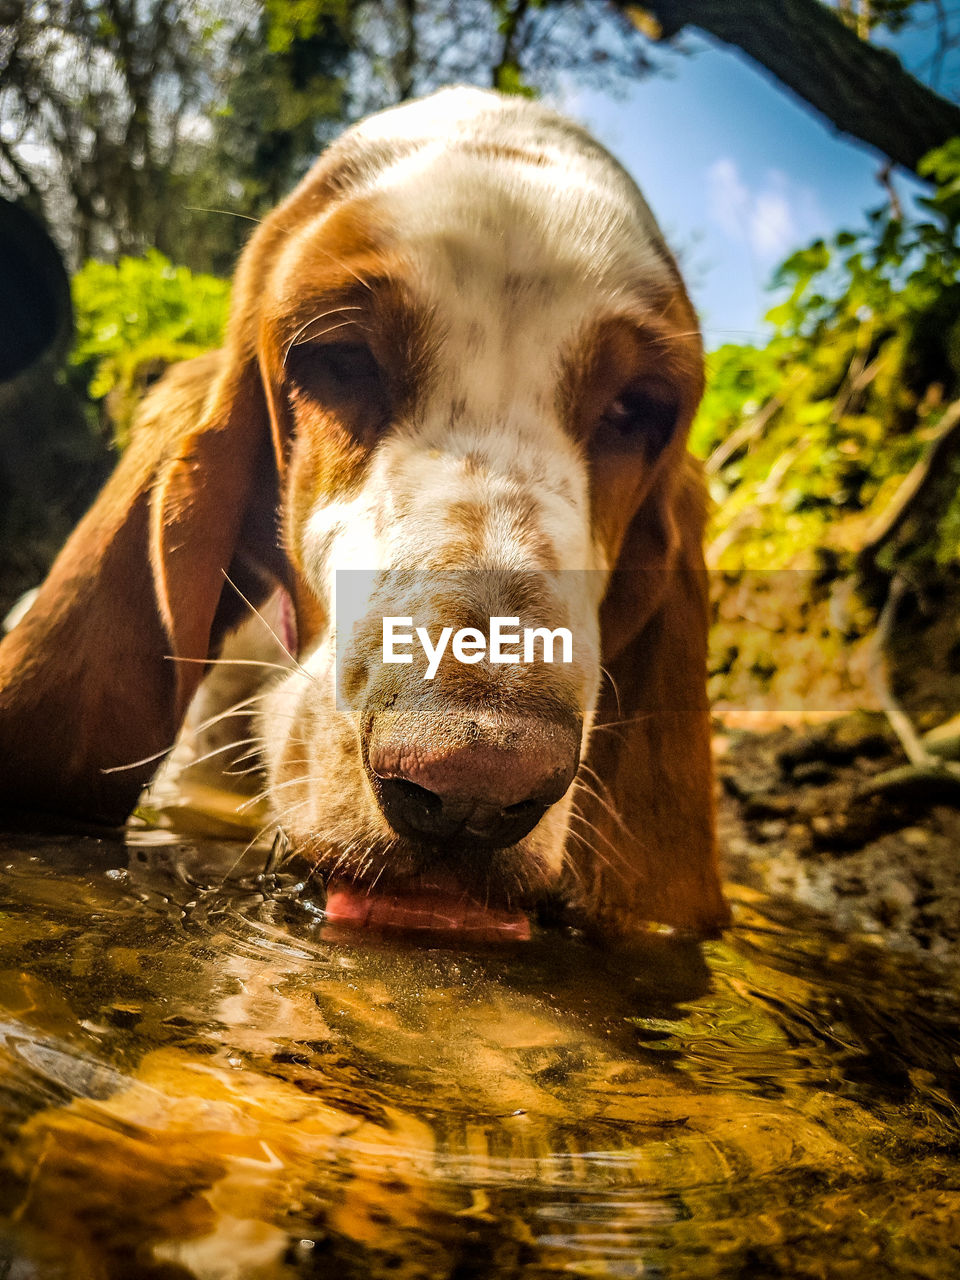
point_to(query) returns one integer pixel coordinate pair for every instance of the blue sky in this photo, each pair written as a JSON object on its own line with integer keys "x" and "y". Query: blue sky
{"x": 738, "y": 173}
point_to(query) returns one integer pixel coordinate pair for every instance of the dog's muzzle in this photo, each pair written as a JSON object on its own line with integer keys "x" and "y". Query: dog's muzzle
{"x": 481, "y": 779}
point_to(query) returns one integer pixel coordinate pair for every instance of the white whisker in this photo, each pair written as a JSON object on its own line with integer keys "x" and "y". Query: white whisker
{"x": 250, "y": 605}
{"x": 230, "y": 662}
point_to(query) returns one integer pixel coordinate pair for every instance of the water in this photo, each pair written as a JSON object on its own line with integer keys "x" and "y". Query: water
{"x": 198, "y": 1079}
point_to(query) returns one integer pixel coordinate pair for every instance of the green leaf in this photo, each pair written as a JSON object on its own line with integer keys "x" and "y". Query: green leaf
{"x": 141, "y": 311}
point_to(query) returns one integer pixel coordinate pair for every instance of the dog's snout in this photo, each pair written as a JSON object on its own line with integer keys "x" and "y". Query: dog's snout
{"x": 489, "y": 792}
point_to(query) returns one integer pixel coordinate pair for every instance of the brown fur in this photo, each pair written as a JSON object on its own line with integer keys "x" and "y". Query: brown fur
{"x": 225, "y": 453}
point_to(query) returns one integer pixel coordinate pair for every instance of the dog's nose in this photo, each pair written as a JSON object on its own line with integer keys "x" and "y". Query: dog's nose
{"x": 488, "y": 795}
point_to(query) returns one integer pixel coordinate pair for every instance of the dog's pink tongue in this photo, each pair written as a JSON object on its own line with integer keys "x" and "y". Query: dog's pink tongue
{"x": 432, "y": 908}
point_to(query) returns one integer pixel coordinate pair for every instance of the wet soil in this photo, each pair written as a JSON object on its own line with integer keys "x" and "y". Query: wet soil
{"x": 807, "y": 813}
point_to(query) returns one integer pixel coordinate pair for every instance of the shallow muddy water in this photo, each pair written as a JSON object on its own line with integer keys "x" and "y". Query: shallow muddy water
{"x": 199, "y": 1078}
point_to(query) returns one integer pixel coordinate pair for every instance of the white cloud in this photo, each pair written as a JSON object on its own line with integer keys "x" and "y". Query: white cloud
{"x": 772, "y": 229}
{"x": 728, "y": 198}
{"x": 777, "y": 215}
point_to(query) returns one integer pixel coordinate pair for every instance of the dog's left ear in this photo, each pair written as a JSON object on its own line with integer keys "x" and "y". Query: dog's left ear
{"x": 643, "y": 846}
{"x": 98, "y": 674}
{"x": 213, "y": 516}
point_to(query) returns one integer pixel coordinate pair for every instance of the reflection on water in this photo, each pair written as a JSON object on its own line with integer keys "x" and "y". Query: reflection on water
{"x": 198, "y": 1079}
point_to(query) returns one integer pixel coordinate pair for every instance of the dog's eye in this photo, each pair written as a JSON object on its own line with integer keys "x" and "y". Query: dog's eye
{"x": 644, "y": 414}
{"x": 343, "y": 376}
{"x": 322, "y": 368}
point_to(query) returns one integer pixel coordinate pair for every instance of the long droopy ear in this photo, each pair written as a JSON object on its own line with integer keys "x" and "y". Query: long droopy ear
{"x": 93, "y": 678}
{"x": 643, "y": 845}
{"x": 87, "y": 684}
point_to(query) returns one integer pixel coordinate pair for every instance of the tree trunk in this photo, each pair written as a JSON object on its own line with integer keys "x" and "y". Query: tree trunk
{"x": 862, "y": 90}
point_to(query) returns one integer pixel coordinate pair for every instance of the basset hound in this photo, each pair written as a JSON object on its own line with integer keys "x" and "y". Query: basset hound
{"x": 456, "y": 385}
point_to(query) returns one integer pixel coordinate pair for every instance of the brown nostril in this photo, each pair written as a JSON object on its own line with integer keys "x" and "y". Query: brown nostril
{"x": 412, "y": 810}
{"x": 489, "y": 794}
{"x": 522, "y": 806}
{"x": 422, "y": 815}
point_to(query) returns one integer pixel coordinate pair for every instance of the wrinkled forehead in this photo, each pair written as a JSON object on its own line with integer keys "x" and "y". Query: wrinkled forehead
{"x": 482, "y": 213}
{"x": 449, "y": 136}
{"x": 488, "y": 241}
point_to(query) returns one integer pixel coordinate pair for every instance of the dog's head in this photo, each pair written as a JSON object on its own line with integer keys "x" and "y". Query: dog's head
{"x": 477, "y": 364}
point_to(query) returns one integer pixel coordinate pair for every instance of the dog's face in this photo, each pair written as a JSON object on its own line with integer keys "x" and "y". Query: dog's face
{"x": 458, "y": 377}
{"x": 477, "y": 364}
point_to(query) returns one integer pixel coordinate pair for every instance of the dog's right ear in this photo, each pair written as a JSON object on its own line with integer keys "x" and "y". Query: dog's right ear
{"x": 98, "y": 673}
{"x": 643, "y": 844}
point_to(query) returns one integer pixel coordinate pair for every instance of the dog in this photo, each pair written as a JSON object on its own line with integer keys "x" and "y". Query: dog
{"x": 458, "y": 375}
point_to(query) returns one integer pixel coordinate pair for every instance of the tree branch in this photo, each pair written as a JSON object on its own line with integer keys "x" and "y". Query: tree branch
{"x": 508, "y": 49}
{"x": 917, "y": 483}
{"x": 405, "y": 58}
{"x": 900, "y": 722}
{"x": 751, "y": 428}
{"x": 862, "y": 90}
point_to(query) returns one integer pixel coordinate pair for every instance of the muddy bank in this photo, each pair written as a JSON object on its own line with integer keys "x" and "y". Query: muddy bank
{"x": 807, "y": 813}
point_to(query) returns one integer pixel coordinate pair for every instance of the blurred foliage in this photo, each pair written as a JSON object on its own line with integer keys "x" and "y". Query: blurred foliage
{"x": 284, "y": 101}
{"x": 864, "y": 16}
{"x": 136, "y": 126}
{"x": 136, "y": 318}
{"x": 173, "y": 124}
{"x": 864, "y": 355}
{"x": 809, "y": 442}
{"x": 290, "y": 21}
